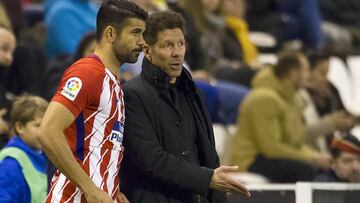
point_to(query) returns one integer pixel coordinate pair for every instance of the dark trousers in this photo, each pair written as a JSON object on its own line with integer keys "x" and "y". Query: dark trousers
{"x": 282, "y": 170}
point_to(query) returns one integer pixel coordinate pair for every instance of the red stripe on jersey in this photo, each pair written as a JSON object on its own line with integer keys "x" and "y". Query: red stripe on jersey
{"x": 68, "y": 192}
{"x": 116, "y": 178}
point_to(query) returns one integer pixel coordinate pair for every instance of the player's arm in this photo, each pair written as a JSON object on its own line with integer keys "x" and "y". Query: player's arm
{"x": 51, "y": 136}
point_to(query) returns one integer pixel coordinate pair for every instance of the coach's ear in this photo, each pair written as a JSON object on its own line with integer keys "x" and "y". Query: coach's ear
{"x": 147, "y": 52}
{"x": 110, "y": 34}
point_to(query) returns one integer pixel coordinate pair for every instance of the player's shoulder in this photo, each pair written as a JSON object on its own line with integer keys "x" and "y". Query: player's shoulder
{"x": 87, "y": 67}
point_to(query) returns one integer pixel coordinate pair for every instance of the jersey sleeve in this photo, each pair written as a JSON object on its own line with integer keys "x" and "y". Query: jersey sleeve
{"x": 79, "y": 86}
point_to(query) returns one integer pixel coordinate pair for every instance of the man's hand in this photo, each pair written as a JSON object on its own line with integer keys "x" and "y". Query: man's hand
{"x": 96, "y": 195}
{"x": 221, "y": 180}
{"x": 122, "y": 198}
{"x": 342, "y": 120}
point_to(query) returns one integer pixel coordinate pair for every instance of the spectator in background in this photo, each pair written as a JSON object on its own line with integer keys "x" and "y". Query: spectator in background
{"x": 66, "y": 22}
{"x": 302, "y": 20}
{"x": 7, "y": 47}
{"x": 237, "y": 47}
{"x": 324, "y": 111}
{"x": 16, "y": 14}
{"x": 207, "y": 52}
{"x": 56, "y": 66}
{"x": 151, "y": 5}
{"x": 344, "y": 15}
{"x": 345, "y": 163}
{"x": 270, "y": 137}
{"x": 29, "y": 58}
{"x": 22, "y": 162}
{"x": 288, "y": 20}
{"x": 4, "y": 18}
{"x": 234, "y": 12}
{"x": 206, "y": 28}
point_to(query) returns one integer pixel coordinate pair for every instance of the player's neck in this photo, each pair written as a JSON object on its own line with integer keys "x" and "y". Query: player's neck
{"x": 109, "y": 60}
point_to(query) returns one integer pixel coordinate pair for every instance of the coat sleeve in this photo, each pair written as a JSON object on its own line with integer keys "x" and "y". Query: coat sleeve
{"x": 143, "y": 149}
{"x": 13, "y": 187}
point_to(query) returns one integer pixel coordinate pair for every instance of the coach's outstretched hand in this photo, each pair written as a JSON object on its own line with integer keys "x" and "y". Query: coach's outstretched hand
{"x": 223, "y": 181}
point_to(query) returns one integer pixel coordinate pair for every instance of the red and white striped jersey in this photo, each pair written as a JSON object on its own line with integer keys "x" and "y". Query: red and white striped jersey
{"x": 93, "y": 94}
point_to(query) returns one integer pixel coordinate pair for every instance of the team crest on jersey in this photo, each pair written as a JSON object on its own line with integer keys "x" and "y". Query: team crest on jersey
{"x": 72, "y": 88}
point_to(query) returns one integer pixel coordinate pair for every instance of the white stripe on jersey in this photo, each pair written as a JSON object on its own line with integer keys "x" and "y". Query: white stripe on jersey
{"x": 99, "y": 126}
{"x": 112, "y": 170}
{"x": 99, "y": 130}
{"x": 111, "y": 75}
{"x": 58, "y": 190}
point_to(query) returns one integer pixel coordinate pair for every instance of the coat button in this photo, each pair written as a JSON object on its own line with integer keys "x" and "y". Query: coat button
{"x": 179, "y": 124}
{"x": 185, "y": 153}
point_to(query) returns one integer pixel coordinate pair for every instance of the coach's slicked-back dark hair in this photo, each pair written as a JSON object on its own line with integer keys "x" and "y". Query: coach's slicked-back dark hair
{"x": 115, "y": 13}
{"x": 288, "y": 60}
{"x": 160, "y": 21}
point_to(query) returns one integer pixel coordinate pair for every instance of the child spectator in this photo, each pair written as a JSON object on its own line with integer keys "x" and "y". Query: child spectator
{"x": 22, "y": 162}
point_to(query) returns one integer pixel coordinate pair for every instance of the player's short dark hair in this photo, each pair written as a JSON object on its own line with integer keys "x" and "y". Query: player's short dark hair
{"x": 287, "y": 60}
{"x": 116, "y": 13}
{"x": 160, "y": 21}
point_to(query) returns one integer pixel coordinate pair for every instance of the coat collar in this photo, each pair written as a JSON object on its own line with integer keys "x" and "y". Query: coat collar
{"x": 161, "y": 80}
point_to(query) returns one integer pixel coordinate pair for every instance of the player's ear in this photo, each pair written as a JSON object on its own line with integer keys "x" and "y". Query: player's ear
{"x": 110, "y": 33}
{"x": 19, "y": 128}
{"x": 147, "y": 52}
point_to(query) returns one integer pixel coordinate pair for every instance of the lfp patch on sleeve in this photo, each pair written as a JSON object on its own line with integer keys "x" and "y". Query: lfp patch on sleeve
{"x": 72, "y": 88}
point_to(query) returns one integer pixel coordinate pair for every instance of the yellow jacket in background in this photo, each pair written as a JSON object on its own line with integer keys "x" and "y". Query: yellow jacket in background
{"x": 270, "y": 123}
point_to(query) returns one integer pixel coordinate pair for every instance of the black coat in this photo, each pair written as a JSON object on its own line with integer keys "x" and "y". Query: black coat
{"x": 327, "y": 176}
{"x": 156, "y": 165}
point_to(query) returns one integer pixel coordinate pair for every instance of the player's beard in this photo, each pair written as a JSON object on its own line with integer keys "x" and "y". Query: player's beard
{"x": 125, "y": 56}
